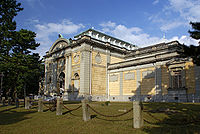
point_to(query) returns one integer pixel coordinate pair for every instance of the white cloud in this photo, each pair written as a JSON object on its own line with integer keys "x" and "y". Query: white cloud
{"x": 136, "y": 36}
{"x": 45, "y": 31}
{"x": 186, "y": 40}
{"x": 171, "y": 25}
{"x": 108, "y": 24}
{"x": 155, "y": 2}
{"x": 188, "y": 9}
{"x": 177, "y": 13}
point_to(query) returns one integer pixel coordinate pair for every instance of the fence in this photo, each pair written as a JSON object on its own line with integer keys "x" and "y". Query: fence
{"x": 139, "y": 115}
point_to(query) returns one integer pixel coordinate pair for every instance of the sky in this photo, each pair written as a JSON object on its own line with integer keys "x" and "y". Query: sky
{"x": 140, "y": 22}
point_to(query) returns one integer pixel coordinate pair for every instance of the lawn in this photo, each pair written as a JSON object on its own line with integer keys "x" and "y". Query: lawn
{"x": 158, "y": 118}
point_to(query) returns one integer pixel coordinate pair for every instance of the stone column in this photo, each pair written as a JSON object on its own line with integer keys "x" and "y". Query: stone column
{"x": 27, "y": 103}
{"x": 55, "y": 75}
{"x": 40, "y": 104}
{"x": 59, "y": 106}
{"x": 69, "y": 71}
{"x": 86, "y": 114}
{"x": 137, "y": 114}
{"x": 66, "y": 74}
{"x": 108, "y": 59}
{"x": 85, "y": 70}
{"x": 45, "y": 77}
{"x": 3, "y": 101}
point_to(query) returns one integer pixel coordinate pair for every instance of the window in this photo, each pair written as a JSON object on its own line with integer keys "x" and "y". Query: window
{"x": 176, "y": 79}
{"x": 129, "y": 76}
{"x": 62, "y": 80}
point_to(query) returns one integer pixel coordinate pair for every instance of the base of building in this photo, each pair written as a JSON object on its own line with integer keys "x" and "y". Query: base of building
{"x": 144, "y": 98}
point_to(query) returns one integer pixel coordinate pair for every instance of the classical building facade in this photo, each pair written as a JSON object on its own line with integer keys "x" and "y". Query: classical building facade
{"x": 105, "y": 68}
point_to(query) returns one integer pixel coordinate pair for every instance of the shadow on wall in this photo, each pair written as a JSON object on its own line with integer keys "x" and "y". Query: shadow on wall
{"x": 176, "y": 83}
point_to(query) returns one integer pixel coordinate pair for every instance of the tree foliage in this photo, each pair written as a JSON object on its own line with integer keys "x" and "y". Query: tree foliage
{"x": 194, "y": 51}
{"x": 21, "y": 67}
{"x": 196, "y": 30}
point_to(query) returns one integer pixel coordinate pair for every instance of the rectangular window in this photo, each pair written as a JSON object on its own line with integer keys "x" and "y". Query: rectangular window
{"x": 176, "y": 80}
{"x": 129, "y": 76}
{"x": 113, "y": 78}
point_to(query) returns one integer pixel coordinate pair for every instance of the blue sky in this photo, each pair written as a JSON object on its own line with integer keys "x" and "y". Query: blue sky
{"x": 140, "y": 22}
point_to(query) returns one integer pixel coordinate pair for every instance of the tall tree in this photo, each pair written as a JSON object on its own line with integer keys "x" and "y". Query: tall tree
{"x": 194, "y": 51}
{"x": 8, "y": 10}
{"x": 21, "y": 67}
{"x": 196, "y": 30}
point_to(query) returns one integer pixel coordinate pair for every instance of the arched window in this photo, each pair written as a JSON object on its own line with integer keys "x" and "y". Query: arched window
{"x": 76, "y": 82}
{"x": 62, "y": 80}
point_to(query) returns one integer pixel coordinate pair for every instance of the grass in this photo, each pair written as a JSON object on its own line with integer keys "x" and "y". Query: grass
{"x": 160, "y": 118}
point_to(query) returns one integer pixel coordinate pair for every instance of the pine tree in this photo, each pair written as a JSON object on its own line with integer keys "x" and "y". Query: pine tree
{"x": 21, "y": 67}
{"x": 194, "y": 51}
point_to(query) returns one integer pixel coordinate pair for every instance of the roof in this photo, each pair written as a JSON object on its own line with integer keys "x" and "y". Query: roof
{"x": 85, "y": 32}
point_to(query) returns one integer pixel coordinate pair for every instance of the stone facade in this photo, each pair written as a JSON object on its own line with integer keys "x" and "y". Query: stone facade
{"x": 105, "y": 68}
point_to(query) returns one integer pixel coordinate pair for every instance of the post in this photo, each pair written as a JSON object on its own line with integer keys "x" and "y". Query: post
{"x": 4, "y": 101}
{"x": 1, "y": 90}
{"x": 86, "y": 114}
{"x": 9, "y": 100}
{"x": 137, "y": 114}
{"x": 17, "y": 102}
{"x": 40, "y": 104}
{"x": 59, "y": 106}
{"x": 27, "y": 101}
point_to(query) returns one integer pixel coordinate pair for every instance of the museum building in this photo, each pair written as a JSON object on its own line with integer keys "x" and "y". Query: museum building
{"x": 105, "y": 68}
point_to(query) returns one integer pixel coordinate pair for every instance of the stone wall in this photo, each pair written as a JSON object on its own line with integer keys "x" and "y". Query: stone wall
{"x": 115, "y": 59}
{"x": 147, "y": 81}
{"x": 129, "y": 82}
{"x": 165, "y": 79}
{"x": 114, "y": 83}
{"x": 190, "y": 77}
{"x": 98, "y": 73}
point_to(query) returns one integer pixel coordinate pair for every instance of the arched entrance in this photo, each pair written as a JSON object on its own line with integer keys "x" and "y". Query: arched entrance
{"x": 62, "y": 82}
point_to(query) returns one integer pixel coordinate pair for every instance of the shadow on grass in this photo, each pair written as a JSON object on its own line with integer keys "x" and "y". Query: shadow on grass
{"x": 172, "y": 118}
{"x": 11, "y": 115}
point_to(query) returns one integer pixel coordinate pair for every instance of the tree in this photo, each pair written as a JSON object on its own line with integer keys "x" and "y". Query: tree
{"x": 8, "y": 10}
{"x": 196, "y": 33}
{"x": 194, "y": 51}
{"x": 21, "y": 67}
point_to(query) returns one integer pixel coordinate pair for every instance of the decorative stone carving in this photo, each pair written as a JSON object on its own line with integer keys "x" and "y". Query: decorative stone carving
{"x": 76, "y": 58}
{"x": 98, "y": 58}
{"x": 129, "y": 76}
{"x": 113, "y": 78}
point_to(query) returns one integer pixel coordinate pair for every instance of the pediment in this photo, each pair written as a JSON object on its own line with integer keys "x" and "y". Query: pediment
{"x": 59, "y": 44}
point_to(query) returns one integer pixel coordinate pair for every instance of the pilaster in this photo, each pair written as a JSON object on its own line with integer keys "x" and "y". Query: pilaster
{"x": 66, "y": 73}
{"x": 55, "y": 75}
{"x": 138, "y": 85}
{"x": 85, "y": 70}
{"x": 107, "y": 75}
{"x": 158, "y": 82}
